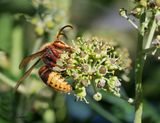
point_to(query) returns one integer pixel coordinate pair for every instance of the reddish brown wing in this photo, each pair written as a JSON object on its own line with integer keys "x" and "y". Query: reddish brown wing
{"x": 25, "y": 75}
{"x": 29, "y": 58}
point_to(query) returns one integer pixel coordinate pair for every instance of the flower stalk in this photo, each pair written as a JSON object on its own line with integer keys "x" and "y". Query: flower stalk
{"x": 151, "y": 33}
{"x": 138, "y": 81}
{"x": 147, "y": 15}
{"x": 138, "y": 73}
{"x": 140, "y": 59}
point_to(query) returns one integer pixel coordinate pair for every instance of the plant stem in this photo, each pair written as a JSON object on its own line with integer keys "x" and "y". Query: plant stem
{"x": 151, "y": 34}
{"x": 138, "y": 73}
{"x": 150, "y": 50}
{"x": 138, "y": 86}
{"x": 141, "y": 56}
{"x": 133, "y": 24}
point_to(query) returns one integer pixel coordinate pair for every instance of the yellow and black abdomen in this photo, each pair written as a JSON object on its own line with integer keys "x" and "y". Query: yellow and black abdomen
{"x": 54, "y": 80}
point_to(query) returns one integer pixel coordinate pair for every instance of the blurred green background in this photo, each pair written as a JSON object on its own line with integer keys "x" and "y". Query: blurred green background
{"x": 27, "y": 24}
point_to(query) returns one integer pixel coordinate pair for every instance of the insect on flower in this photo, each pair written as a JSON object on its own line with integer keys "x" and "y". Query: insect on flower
{"x": 49, "y": 53}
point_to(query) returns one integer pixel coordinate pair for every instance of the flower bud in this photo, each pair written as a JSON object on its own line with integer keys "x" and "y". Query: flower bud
{"x": 82, "y": 54}
{"x": 49, "y": 24}
{"x": 97, "y": 96}
{"x": 143, "y": 3}
{"x": 156, "y": 42}
{"x": 130, "y": 100}
{"x": 80, "y": 94}
{"x": 90, "y": 60}
{"x": 85, "y": 68}
{"x": 102, "y": 69}
{"x": 75, "y": 75}
{"x": 34, "y": 20}
{"x": 123, "y": 13}
{"x": 136, "y": 11}
{"x": 101, "y": 83}
{"x": 114, "y": 82}
{"x": 97, "y": 50}
{"x": 85, "y": 82}
{"x": 39, "y": 30}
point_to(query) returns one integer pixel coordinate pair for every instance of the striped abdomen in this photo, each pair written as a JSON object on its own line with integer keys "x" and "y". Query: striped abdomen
{"x": 54, "y": 80}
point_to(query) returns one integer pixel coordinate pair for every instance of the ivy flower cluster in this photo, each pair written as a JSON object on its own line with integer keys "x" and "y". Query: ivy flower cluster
{"x": 48, "y": 15}
{"x": 94, "y": 65}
